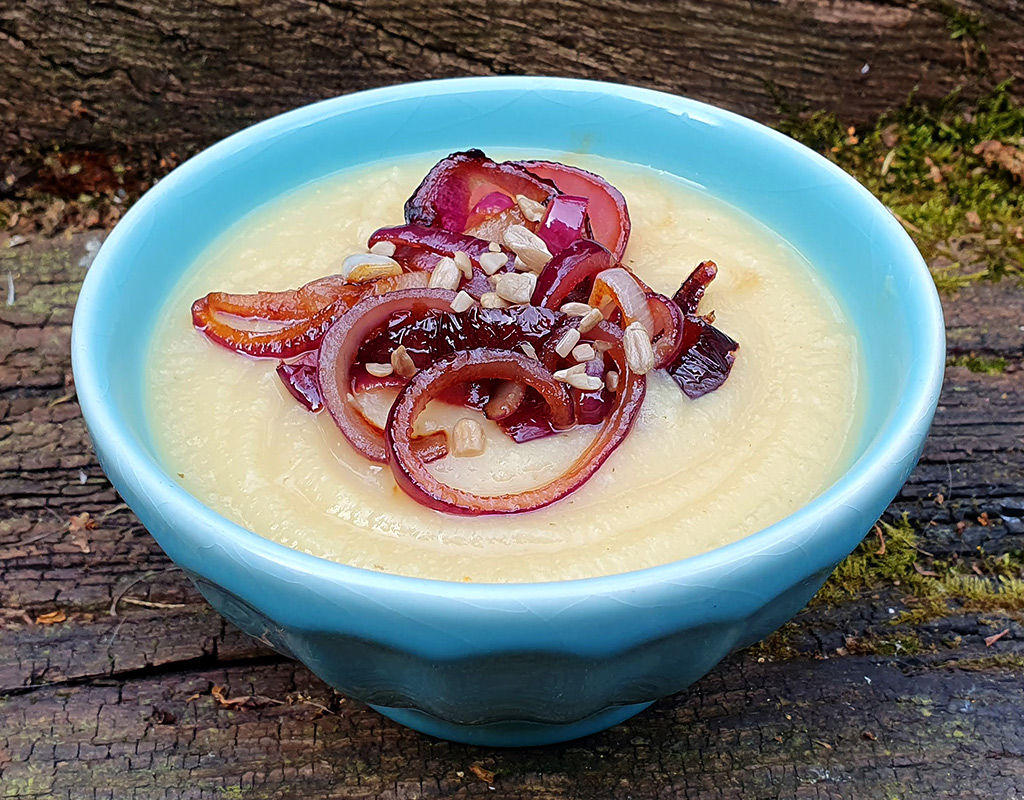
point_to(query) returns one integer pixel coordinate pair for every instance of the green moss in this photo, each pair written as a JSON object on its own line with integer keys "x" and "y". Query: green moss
{"x": 986, "y": 365}
{"x": 963, "y": 213}
{"x": 895, "y": 644}
{"x": 962, "y": 24}
{"x": 1000, "y": 587}
{"x": 1007, "y": 661}
{"x": 925, "y": 610}
{"x": 778, "y": 646}
{"x": 866, "y": 569}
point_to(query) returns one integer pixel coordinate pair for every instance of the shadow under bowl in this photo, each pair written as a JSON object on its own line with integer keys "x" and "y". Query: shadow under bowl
{"x": 515, "y": 664}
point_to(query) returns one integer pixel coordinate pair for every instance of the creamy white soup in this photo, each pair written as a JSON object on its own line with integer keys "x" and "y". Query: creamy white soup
{"x": 693, "y": 475}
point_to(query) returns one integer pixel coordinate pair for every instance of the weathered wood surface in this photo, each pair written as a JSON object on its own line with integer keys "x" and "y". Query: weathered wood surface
{"x": 116, "y": 701}
{"x": 158, "y": 76}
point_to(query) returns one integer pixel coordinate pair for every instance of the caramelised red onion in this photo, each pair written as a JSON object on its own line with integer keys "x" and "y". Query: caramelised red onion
{"x": 436, "y": 240}
{"x": 706, "y": 359}
{"x": 300, "y": 379}
{"x": 290, "y": 305}
{"x": 667, "y": 340}
{"x": 706, "y": 355}
{"x": 564, "y": 221}
{"x": 311, "y": 309}
{"x": 606, "y": 207}
{"x": 619, "y": 288}
{"x": 285, "y": 342}
{"x": 420, "y": 248}
{"x": 455, "y": 185}
{"x": 691, "y": 292}
{"x": 419, "y": 483}
{"x": 338, "y": 353}
{"x": 569, "y": 275}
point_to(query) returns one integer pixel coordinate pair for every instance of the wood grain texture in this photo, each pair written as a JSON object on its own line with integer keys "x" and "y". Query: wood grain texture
{"x": 112, "y": 74}
{"x": 116, "y": 701}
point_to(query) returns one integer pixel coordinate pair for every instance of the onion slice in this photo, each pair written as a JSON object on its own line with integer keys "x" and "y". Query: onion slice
{"x": 668, "y": 329}
{"x": 691, "y": 292}
{"x": 455, "y": 185}
{"x": 564, "y": 221}
{"x": 618, "y": 288}
{"x": 606, "y": 207}
{"x": 573, "y": 268}
{"x": 338, "y": 353}
{"x": 311, "y": 311}
{"x": 287, "y": 342}
{"x": 419, "y": 483}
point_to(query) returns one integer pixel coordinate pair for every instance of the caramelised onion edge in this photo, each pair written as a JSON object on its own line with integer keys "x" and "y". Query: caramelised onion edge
{"x": 338, "y": 352}
{"x": 311, "y": 310}
{"x": 418, "y": 482}
{"x": 286, "y": 342}
{"x": 618, "y": 287}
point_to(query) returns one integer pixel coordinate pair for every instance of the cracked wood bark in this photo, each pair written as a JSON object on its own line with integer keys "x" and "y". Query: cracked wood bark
{"x": 119, "y": 705}
{"x": 113, "y": 73}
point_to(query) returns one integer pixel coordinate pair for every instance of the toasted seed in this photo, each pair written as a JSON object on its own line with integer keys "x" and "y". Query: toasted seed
{"x": 531, "y": 209}
{"x": 583, "y": 352}
{"x": 466, "y": 438}
{"x": 576, "y": 309}
{"x": 587, "y": 383}
{"x": 402, "y": 362}
{"x": 492, "y": 262}
{"x": 463, "y": 263}
{"x": 445, "y": 275}
{"x": 590, "y": 319}
{"x": 462, "y": 302}
{"x": 494, "y": 247}
{"x": 379, "y": 370}
{"x": 363, "y": 273}
{"x": 528, "y": 246}
{"x": 530, "y": 350}
{"x": 491, "y": 300}
{"x": 383, "y": 248}
{"x": 639, "y": 353}
{"x": 568, "y": 341}
{"x": 564, "y": 375}
{"x": 363, "y": 267}
{"x": 611, "y": 381}
{"x": 516, "y": 287}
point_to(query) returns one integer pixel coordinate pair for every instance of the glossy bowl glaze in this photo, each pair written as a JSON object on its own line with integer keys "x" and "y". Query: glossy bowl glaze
{"x": 522, "y": 663}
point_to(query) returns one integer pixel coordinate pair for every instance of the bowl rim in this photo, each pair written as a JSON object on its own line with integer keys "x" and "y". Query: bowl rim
{"x": 902, "y": 433}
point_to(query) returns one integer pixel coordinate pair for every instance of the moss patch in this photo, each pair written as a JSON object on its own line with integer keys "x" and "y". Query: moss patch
{"x": 986, "y": 365}
{"x": 1006, "y": 661}
{"x": 930, "y": 585}
{"x": 895, "y": 644}
{"x": 964, "y": 211}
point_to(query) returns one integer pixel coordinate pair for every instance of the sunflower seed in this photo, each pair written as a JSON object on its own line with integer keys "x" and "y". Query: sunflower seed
{"x": 445, "y": 275}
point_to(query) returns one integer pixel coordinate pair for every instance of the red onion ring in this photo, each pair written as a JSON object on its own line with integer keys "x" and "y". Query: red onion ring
{"x": 581, "y": 260}
{"x": 338, "y": 353}
{"x": 668, "y": 329}
{"x": 419, "y": 483}
{"x": 619, "y": 287}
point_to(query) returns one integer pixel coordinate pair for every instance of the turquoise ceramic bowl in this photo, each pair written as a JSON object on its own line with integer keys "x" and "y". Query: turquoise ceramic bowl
{"x": 528, "y": 663}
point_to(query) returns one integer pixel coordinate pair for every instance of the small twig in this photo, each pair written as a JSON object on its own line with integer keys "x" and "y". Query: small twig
{"x": 113, "y": 510}
{"x": 33, "y": 539}
{"x": 151, "y": 603}
{"x": 145, "y": 576}
{"x": 995, "y": 637}
{"x": 62, "y": 399}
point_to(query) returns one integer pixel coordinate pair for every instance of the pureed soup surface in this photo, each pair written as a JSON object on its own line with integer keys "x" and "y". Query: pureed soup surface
{"x": 693, "y": 475}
